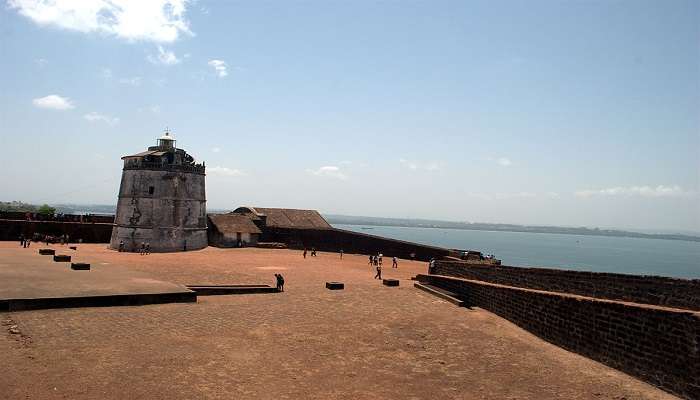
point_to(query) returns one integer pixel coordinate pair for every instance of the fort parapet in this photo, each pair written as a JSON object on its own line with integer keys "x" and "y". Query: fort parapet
{"x": 646, "y": 326}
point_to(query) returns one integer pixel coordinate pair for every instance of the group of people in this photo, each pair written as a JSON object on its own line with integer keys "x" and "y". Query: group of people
{"x": 144, "y": 249}
{"x": 377, "y": 262}
{"x": 24, "y": 242}
{"x": 313, "y": 252}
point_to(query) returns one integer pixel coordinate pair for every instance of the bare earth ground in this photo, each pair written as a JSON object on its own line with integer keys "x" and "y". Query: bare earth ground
{"x": 365, "y": 342}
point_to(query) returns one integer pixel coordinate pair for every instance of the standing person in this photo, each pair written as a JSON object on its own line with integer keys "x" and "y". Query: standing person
{"x": 304, "y": 252}
{"x": 142, "y": 251}
{"x": 313, "y": 252}
{"x": 375, "y": 260}
{"x": 28, "y": 242}
{"x": 22, "y": 240}
{"x": 148, "y": 248}
{"x": 370, "y": 260}
{"x": 280, "y": 282}
{"x": 394, "y": 262}
{"x": 380, "y": 258}
{"x": 341, "y": 254}
{"x": 379, "y": 272}
{"x": 121, "y": 246}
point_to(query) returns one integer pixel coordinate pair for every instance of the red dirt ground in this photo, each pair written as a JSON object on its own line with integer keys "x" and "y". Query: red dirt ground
{"x": 365, "y": 342}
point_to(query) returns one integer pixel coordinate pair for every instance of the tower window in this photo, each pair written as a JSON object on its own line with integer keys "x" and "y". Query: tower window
{"x": 151, "y": 189}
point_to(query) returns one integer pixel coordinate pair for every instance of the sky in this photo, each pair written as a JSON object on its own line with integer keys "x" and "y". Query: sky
{"x": 571, "y": 113}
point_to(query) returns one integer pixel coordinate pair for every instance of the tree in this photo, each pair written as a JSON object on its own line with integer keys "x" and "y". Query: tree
{"x": 46, "y": 209}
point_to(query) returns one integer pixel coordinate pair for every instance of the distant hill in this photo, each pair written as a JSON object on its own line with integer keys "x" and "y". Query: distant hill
{"x": 477, "y": 226}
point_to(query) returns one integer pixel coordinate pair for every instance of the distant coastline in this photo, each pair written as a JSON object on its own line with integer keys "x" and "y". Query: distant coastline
{"x": 416, "y": 223}
{"x": 476, "y": 226}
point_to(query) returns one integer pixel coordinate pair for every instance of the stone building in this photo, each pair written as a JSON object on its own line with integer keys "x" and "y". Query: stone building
{"x": 162, "y": 200}
{"x": 232, "y": 230}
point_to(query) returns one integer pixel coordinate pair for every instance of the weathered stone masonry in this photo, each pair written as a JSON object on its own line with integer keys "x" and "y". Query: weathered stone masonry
{"x": 658, "y": 345}
{"x": 662, "y": 291}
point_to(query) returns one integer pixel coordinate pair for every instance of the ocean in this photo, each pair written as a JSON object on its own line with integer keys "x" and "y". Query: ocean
{"x": 673, "y": 258}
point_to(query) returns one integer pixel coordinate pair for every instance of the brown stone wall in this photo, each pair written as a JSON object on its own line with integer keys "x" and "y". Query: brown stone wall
{"x": 658, "y": 345}
{"x": 679, "y": 293}
{"x": 88, "y": 232}
{"x": 350, "y": 242}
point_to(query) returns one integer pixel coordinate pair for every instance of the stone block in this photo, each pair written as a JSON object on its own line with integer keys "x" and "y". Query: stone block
{"x": 61, "y": 258}
{"x": 73, "y": 247}
{"x": 390, "y": 282}
{"x": 80, "y": 266}
{"x": 335, "y": 285}
{"x": 47, "y": 252}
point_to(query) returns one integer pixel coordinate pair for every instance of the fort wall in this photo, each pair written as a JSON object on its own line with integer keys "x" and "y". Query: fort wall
{"x": 88, "y": 232}
{"x": 334, "y": 240}
{"x": 656, "y": 290}
{"x": 658, "y": 345}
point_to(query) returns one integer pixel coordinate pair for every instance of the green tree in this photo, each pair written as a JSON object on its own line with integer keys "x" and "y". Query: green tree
{"x": 46, "y": 209}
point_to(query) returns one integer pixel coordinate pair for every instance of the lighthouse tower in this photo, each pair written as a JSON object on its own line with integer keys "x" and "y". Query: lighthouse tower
{"x": 162, "y": 201}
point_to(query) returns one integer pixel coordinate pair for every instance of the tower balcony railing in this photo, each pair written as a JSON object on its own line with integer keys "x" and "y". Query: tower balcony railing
{"x": 158, "y": 166}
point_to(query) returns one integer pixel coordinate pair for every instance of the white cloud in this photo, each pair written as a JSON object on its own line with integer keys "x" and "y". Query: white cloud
{"x": 429, "y": 166}
{"x": 135, "y": 81}
{"x": 149, "y": 20}
{"x": 224, "y": 171}
{"x": 504, "y": 162}
{"x": 642, "y": 191}
{"x": 106, "y": 73}
{"x": 97, "y": 117}
{"x": 216, "y": 149}
{"x": 330, "y": 171}
{"x": 165, "y": 57}
{"x": 219, "y": 66}
{"x": 53, "y": 102}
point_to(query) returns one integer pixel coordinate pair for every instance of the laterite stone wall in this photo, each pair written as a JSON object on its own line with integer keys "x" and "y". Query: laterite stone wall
{"x": 670, "y": 292}
{"x": 658, "y": 345}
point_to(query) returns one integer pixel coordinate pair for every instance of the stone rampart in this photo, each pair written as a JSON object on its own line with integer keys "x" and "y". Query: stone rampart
{"x": 351, "y": 242}
{"x": 662, "y": 291}
{"x": 658, "y": 345}
{"x": 88, "y": 232}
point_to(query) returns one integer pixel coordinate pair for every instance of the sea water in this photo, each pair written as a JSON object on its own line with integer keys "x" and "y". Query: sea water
{"x": 674, "y": 258}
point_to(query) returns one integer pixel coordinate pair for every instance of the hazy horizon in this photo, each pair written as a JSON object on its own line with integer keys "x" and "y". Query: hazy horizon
{"x": 539, "y": 113}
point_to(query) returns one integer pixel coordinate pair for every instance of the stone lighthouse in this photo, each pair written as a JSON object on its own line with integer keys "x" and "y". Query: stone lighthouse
{"x": 162, "y": 201}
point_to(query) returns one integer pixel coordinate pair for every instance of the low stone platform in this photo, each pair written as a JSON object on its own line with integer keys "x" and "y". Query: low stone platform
{"x": 218, "y": 290}
{"x": 390, "y": 282}
{"x": 29, "y": 281}
{"x": 335, "y": 285}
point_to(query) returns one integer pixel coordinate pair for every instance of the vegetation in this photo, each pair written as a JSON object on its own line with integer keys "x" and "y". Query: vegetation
{"x": 46, "y": 209}
{"x": 17, "y": 206}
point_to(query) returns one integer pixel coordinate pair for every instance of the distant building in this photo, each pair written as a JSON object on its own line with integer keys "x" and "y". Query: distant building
{"x": 162, "y": 200}
{"x": 232, "y": 230}
{"x": 287, "y": 218}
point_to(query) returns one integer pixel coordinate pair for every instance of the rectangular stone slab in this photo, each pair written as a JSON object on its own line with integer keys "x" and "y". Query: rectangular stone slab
{"x": 335, "y": 285}
{"x": 61, "y": 258}
{"x": 47, "y": 252}
{"x": 80, "y": 266}
{"x": 390, "y": 282}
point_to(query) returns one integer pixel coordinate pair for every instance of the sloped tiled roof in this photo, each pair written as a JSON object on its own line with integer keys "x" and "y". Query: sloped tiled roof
{"x": 233, "y": 223}
{"x": 288, "y": 217}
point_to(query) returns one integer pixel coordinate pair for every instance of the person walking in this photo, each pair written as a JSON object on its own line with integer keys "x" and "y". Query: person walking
{"x": 22, "y": 241}
{"x": 380, "y": 258}
{"x": 313, "y": 252}
{"x": 370, "y": 260}
{"x": 379, "y": 272}
{"x": 304, "y": 252}
{"x": 394, "y": 262}
{"x": 341, "y": 254}
{"x": 148, "y": 248}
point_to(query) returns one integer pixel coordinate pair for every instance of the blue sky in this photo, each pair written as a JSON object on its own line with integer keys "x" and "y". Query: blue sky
{"x": 544, "y": 112}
